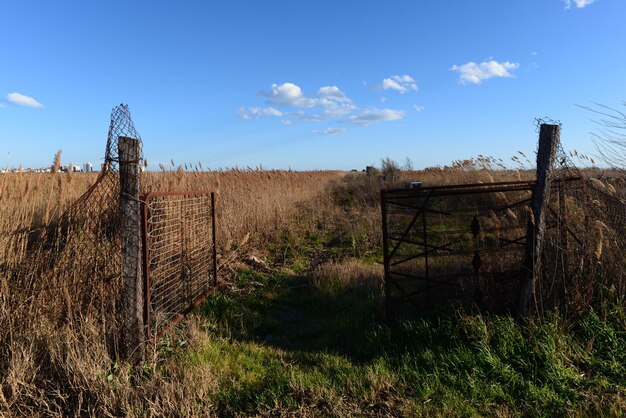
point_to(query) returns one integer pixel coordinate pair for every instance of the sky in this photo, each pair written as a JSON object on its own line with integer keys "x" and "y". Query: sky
{"x": 305, "y": 84}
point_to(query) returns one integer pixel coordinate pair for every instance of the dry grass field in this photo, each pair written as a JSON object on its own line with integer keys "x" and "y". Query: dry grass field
{"x": 300, "y": 334}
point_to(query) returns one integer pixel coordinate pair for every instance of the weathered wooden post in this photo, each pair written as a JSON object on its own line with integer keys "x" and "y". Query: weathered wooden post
{"x": 549, "y": 136}
{"x": 129, "y": 151}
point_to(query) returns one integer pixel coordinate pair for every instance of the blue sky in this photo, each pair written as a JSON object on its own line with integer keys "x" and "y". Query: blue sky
{"x": 303, "y": 84}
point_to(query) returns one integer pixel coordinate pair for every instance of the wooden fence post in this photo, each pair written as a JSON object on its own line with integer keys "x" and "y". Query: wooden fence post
{"x": 132, "y": 338}
{"x": 549, "y": 136}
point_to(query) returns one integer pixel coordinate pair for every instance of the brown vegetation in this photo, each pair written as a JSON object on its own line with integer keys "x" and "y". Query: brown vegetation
{"x": 44, "y": 327}
{"x": 53, "y": 354}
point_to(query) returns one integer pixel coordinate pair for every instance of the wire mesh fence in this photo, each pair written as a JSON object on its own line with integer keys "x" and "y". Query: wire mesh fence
{"x": 74, "y": 264}
{"x": 180, "y": 254}
{"x": 102, "y": 258}
{"x": 480, "y": 243}
{"x": 582, "y": 259}
{"x": 584, "y": 256}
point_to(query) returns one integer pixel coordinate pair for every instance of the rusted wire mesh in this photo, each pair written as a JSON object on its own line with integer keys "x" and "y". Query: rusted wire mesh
{"x": 469, "y": 242}
{"x": 583, "y": 260}
{"x": 180, "y": 248}
{"x": 75, "y": 265}
{"x": 91, "y": 260}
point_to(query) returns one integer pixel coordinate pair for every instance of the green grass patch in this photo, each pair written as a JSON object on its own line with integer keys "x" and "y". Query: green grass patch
{"x": 287, "y": 345}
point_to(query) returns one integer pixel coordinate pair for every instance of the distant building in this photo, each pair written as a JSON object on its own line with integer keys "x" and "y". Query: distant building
{"x": 87, "y": 167}
{"x": 75, "y": 169}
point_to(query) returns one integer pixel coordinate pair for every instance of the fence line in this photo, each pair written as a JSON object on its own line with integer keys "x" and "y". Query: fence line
{"x": 520, "y": 246}
{"x": 92, "y": 258}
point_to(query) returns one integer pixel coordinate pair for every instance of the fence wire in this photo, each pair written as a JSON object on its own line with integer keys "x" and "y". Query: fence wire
{"x": 468, "y": 242}
{"x": 180, "y": 248}
{"x": 90, "y": 260}
{"x": 583, "y": 260}
{"x": 74, "y": 266}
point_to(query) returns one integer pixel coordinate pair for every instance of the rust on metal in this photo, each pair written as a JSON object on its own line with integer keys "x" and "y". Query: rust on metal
{"x": 443, "y": 242}
{"x": 180, "y": 255}
{"x": 436, "y": 237}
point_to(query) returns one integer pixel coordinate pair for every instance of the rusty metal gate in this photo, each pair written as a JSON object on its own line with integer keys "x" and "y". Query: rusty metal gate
{"x": 454, "y": 242}
{"x": 180, "y": 262}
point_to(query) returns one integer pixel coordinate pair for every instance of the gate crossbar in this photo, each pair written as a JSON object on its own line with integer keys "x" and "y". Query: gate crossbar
{"x": 455, "y": 227}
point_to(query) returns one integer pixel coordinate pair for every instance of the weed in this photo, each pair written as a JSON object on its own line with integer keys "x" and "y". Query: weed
{"x": 304, "y": 335}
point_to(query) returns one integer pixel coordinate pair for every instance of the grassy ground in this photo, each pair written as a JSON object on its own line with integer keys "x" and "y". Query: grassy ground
{"x": 303, "y": 334}
{"x": 288, "y": 344}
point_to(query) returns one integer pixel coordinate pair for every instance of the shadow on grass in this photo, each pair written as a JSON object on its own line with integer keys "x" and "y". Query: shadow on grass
{"x": 292, "y": 313}
{"x": 329, "y": 314}
{"x": 334, "y": 336}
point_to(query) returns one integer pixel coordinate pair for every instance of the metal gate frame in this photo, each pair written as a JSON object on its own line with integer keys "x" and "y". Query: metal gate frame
{"x": 152, "y": 196}
{"x": 415, "y": 202}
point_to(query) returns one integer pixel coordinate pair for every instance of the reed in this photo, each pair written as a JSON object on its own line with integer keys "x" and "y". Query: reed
{"x": 52, "y": 351}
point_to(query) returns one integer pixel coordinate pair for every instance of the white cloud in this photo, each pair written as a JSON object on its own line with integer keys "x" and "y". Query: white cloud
{"x": 418, "y": 108}
{"x": 330, "y": 131}
{"x": 22, "y": 100}
{"x": 332, "y": 93}
{"x": 370, "y": 116}
{"x": 334, "y": 101}
{"x": 257, "y": 112}
{"x": 330, "y": 102}
{"x": 401, "y": 84}
{"x": 288, "y": 94}
{"x": 389, "y": 84}
{"x": 476, "y": 73}
{"x": 578, "y": 3}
